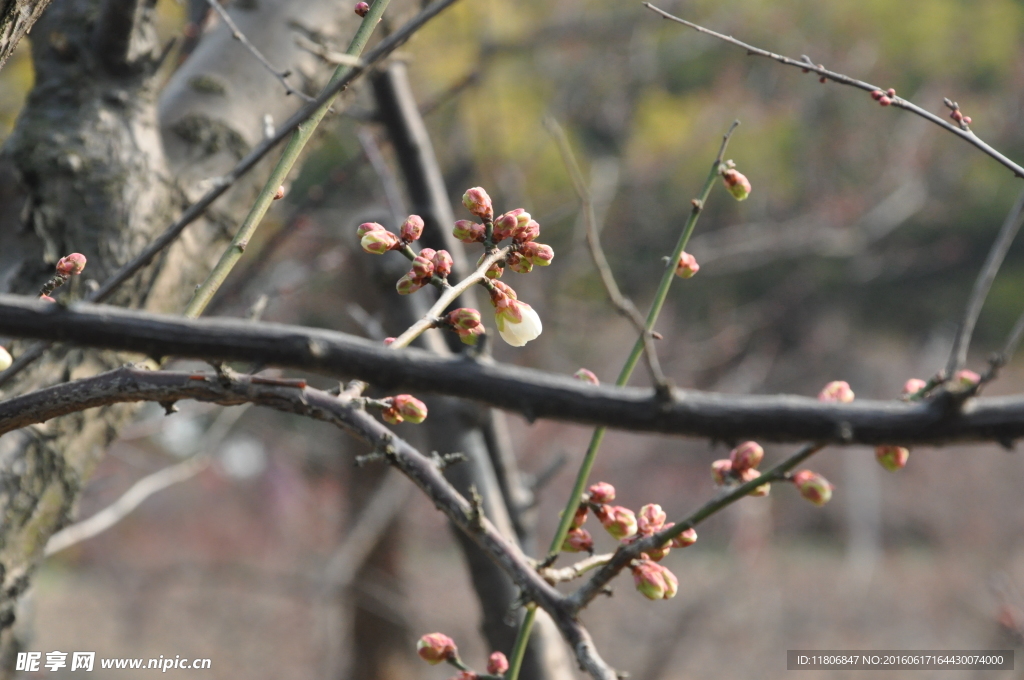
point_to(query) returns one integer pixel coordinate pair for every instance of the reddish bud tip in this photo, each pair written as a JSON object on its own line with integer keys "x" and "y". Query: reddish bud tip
{"x": 746, "y": 456}
{"x": 366, "y": 227}
{"x": 876, "y": 94}
{"x": 443, "y": 263}
{"x": 586, "y": 376}
{"x": 464, "y": 318}
{"x": 497, "y": 664}
{"x": 966, "y": 379}
{"x": 891, "y": 92}
{"x": 538, "y": 253}
{"x": 279, "y": 194}
{"x": 578, "y": 540}
{"x": 967, "y": 120}
{"x": 618, "y": 521}
{"x": 837, "y": 390}
{"x": 5, "y": 359}
{"x": 687, "y": 266}
{"x": 412, "y": 228}
{"x": 46, "y": 298}
{"x": 71, "y": 265}
{"x": 436, "y": 648}
{"x": 885, "y": 101}
{"x": 823, "y": 80}
{"x": 650, "y": 519}
{"x": 687, "y": 538}
{"x": 407, "y": 285}
{"x": 410, "y": 408}
{"x": 654, "y": 581}
{"x": 478, "y": 202}
{"x": 914, "y": 385}
{"x": 956, "y": 115}
{"x": 750, "y": 475}
{"x": 388, "y": 341}
{"x": 519, "y": 264}
{"x": 362, "y": 9}
{"x": 892, "y": 458}
{"x": 721, "y": 471}
{"x": 423, "y": 264}
{"x": 378, "y": 242}
{"x": 602, "y": 492}
{"x": 813, "y": 487}
{"x": 737, "y": 184}
{"x": 468, "y": 232}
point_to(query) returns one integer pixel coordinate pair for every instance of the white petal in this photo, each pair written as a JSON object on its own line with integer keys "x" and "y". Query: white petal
{"x": 518, "y": 334}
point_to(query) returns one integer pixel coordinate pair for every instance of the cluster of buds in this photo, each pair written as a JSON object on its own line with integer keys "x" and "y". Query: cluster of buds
{"x": 837, "y": 390}
{"x": 67, "y": 266}
{"x": 654, "y": 581}
{"x": 741, "y": 467}
{"x": 403, "y": 407}
{"x": 884, "y": 98}
{"x": 375, "y": 239}
{"x": 687, "y": 265}
{"x": 426, "y": 265}
{"x": 437, "y": 648}
{"x": 515, "y": 224}
{"x": 466, "y": 323}
{"x": 737, "y": 184}
{"x": 813, "y": 486}
{"x": 517, "y": 322}
{"x": 954, "y": 112}
{"x": 362, "y": 9}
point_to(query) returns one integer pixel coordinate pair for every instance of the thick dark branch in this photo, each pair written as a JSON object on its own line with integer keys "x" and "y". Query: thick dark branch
{"x": 133, "y": 384}
{"x": 533, "y": 393}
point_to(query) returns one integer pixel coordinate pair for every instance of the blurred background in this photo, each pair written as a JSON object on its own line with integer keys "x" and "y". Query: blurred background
{"x": 852, "y": 260}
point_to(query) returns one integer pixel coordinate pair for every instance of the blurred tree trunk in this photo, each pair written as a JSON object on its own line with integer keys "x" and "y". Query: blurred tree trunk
{"x": 99, "y": 162}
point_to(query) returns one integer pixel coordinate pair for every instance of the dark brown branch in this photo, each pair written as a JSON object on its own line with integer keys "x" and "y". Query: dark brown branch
{"x": 533, "y": 393}
{"x": 134, "y": 384}
{"x": 194, "y": 211}
{"x": 964, "y": 134}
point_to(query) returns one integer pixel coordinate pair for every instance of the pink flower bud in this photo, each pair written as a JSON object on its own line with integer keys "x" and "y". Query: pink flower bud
{"x": 410, "y": 408}
{"x": 956, "y": 115}
{"x": 505, "y": 289}
{"x": 737, "y": 184}
{"x": 890, "y": 92}
{"x": 966, "y": 379}
{"x": 478, "y": 202}
{"x": 46, "y": 298}
{"x": 5, "y": 359}
{"x": 837, "y": 390}
{"x": 504, "y": 226}
{"x": 436, "y": 648}
{"x": 618, "y": 521}
{"x": 279, "y": 194}
{"x": 578, "y": 540}
{"x": 538, "y": 253}
{"x": 469, "y": 336}
{"x": 442, "y": 263}
{"x": 412, "y": 228}
{"x": 885, "y": 101}
{"x": 407, "y": 285}
{"x": 586, "y": 376}
{"x": 362, "y": 9}
{"x": 892, "y": 458}
{"x": 685, "y": 539}
{"x": 71, "y": 265}
{"x": 422, "y": 265}
{"x": 494, "y": 271}
{"x": 468, "y": 232}
{"x": 749, "y": 475}
{"x": 526, "y": 232}
{"x": 378, "y": 242}
{"x": 687, "y": 266}
{"x": 914, "y": 385}
{"x": 813, "y": 487}
{"x": 464, "y": 318}
{"x": 745, "y": 456}
{"x": 497, "y": 664}
{"x": 650, "y": 519}
{"x": 967, "y": 120}
{"x": 721, "y": 471}
{"x": 602, "y": 492}
{"x": 658, "y": 554}
{"x": 518, "y": 263}
{"x": 388, "y": 341}
{"x": 654, "y": 581}
{"x": 877, "y": 94}
{"x": 580, "y": 516}
{"x": 366, "y": 227}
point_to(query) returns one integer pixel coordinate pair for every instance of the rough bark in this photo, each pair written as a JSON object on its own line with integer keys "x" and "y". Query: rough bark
{"x": 16, "y": 20}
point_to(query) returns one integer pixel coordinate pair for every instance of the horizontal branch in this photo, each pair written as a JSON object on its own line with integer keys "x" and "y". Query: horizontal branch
{"x": 532, "y": 393}
{"x": 135, "y": 384}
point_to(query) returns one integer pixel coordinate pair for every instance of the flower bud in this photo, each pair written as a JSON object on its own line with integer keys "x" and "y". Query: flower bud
{"x": 618, "y": 521}
{"x": 518, "y": 263}
{"x": 412, "y": 228}
{"x": 586, "y": 376}
{"x": 966, "y": 379}
{"x": 813, "y": 487}
{"x": 892, "y": 458}
{"x": 578, "y": 540}
{"x": 721, "y": 471}
{"x": 388, "y": 341}
{"x": 505, "y": 289}
{"x": 422, "y": 265}
{"x": 366, "y": 227}
{"x": 967, "y": 120}
{"x": 436, "y": 648}
{"x": 71, "y": 265}
{"x": 378, "y": 242}
{"x": 750, "y": 475}
{"x": 478, "y": 202}
{"x": 885, "y": 101}
{"x": 410, "y": 408}
{"x": 497, "y": 664}
{"x": 914, "y": 385}
{"x": 518, "y": 323}
{"x": 468, "y": 232}
{"x": 469, "y": 336}
{"x": 442, "y": 263}
{"x": 5, "y": 359}
{"x": 464, "y": 318}
{"x": 877, "y": 94}
{"x": 737, "y": 184}
{"x": 362, "y": 9}
{"x": 46, "y": 298}
{"x": 504, "y": 226}
{"x": 687, "y": 266}
{"x": 527, "y": 232}
{"x": 580, "y": 516}
{"x": 407, "y": 285}
{"x": 658, "y": 554}
{"x": 538, "y": 253}
{"x": 745, "y": 456}
{"x": 956, "y": 115}
{"x": 654, "y": 581}
{"x": 279, "y": 194}
{"x": 391, "y": 416}
{"x": 602, "y": 492}
{"x": 837, "y": 390}
{"x": 650, "y": 519}
{"x": 685, "y": 539}
{"x": 890, "y": 92}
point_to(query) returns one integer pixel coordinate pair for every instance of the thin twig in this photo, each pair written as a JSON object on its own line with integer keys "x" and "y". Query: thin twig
{"x": 328, "y": 55}
{"x": 983, "y": 284}
{"x": 392, "y": 192}
{"x": 807, "y": 66}
{"x": 196, "y": 210}
{"x": 238, "y": 35}
{"x": 574, "y": 571}
{"x": 623, "y": 304}
{"x": 627, "y": 553}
